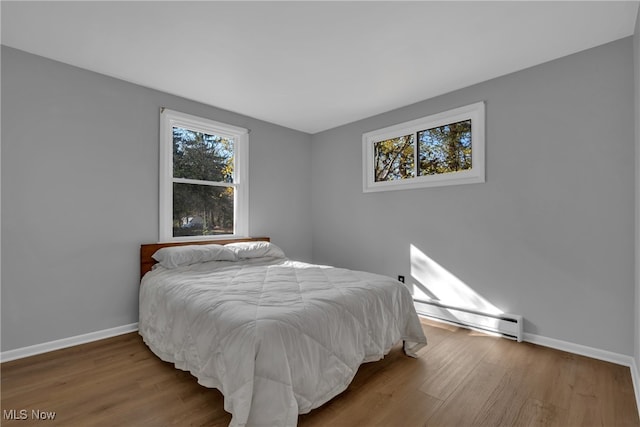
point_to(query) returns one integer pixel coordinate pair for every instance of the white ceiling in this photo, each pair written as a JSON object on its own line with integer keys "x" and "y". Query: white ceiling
{"x": 308, "y": 65}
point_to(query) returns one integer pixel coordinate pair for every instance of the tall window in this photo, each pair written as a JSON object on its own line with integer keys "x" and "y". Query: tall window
{"x": 443, "y": 149}
{"x": 203, "y": 178}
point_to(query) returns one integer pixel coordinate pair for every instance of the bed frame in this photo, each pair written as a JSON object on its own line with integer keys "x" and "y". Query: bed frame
{"x": 147, "y": 250}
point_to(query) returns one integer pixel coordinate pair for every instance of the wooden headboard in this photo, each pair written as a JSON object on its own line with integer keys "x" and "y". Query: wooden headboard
{"x": 147, "y": 250}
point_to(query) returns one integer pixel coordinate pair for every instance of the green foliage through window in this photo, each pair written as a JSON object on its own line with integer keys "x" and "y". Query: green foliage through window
{"x": 204, "y": 208}
{"x": 442, "y": 149}
{"x": 197, "y": 155}
{"x": 445, "y": 149}
{"x": 394, "y": 158}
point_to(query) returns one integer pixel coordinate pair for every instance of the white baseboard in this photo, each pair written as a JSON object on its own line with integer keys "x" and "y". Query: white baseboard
{"x": 583, "y": 350}
{"x": 595, "y": 353}
{"x": 19, "y": 353}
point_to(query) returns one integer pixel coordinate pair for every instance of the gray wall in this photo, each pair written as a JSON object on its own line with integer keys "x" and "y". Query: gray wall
{"x": 548, "y": 236}
{"x": 80, "y": 194}
{"x": 636, "y": 56}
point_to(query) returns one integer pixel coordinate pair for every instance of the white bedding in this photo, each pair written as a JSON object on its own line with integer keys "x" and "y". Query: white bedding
{"x": 276, "y": 337}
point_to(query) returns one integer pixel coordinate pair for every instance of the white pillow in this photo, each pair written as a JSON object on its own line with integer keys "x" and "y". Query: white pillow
{"x": 246, "y": 250}
{"x": 176, "y": 256}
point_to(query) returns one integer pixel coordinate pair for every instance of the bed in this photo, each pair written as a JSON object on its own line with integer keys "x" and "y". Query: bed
{"x": 277, "y": 337}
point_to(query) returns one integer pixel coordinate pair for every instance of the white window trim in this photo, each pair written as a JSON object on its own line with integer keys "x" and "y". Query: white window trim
{"x": 475, "y": 112}
{"x": 170, "y": 119}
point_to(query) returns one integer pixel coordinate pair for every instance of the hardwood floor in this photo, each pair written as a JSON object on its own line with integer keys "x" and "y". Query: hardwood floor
{"x": 462, "y": 378}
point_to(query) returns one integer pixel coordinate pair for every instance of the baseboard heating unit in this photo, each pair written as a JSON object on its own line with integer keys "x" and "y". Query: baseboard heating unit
{"x": 505, "y": 325}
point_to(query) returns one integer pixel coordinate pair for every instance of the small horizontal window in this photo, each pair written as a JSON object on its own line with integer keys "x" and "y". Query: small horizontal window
{"x": 442, "y": 149}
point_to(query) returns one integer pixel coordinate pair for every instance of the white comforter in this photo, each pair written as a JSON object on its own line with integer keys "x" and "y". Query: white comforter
{"x": 276, "y": 337}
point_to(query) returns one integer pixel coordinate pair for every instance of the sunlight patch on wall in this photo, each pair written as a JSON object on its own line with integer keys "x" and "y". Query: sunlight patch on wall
{"x": 434, "y": 282}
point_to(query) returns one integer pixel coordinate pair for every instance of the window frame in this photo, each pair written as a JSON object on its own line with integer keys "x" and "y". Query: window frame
{"x": 170, "y": 119}
{"x": 474, "y": 112}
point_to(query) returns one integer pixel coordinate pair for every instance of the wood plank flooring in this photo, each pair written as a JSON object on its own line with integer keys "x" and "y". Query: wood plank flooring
{"x": 462, "y": 378}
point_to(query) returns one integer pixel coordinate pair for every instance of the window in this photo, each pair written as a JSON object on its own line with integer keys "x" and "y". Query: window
{"x": 203, "y": 178}
{"x": 442, "y": 149}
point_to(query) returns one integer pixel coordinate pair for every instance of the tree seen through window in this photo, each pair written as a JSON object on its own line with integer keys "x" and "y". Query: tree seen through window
{"x": 445, "y": 149}
{"x": 203, "y": 207}
{"x": 442, "y": 149}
